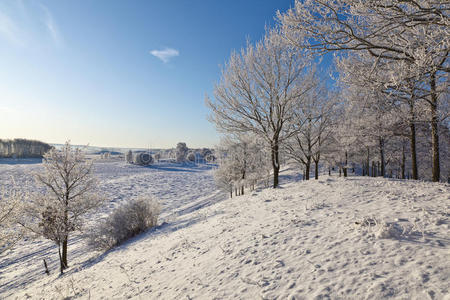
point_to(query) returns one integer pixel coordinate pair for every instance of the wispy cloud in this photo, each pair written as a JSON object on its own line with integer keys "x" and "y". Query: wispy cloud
{"x": 24, "y": 24}
{"x": 51, "y": 26}
{"x": 166, "y": 54}
{"x": 9, "y": 30}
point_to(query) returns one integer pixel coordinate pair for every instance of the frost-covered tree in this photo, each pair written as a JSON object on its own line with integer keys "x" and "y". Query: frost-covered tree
{"x": 258, "y": 90}
{"x": 414, "y": 34}
{"x": 23, "y": 148}
{"x": 314, "y": 117}
{"x": 157, "y": 156}
{"x": 10, "y": 209}
{"x": 408, "y": 98}
{"x": 129, "y": 156}
{"x": 181, "y": 152}
{"x": 69, "y": 194}
{"x": 243, "y": 161}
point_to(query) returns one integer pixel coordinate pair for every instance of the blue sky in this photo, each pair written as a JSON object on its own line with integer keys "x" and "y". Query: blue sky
{"x": 119, "y": 73}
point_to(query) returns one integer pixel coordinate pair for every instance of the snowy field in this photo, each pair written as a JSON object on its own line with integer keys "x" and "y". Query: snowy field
{"x": 174, "y": 185}
{"x": 334, "y": 238}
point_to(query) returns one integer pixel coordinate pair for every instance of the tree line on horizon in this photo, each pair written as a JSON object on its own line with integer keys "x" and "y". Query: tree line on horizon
{"x": 23, "y": 148}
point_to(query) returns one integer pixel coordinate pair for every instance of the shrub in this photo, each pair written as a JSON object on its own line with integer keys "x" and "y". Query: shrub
{"x": 125, "y": 222}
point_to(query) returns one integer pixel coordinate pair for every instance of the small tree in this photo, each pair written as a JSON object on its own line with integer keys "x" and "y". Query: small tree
{"x": 129, "y": 156}
{"x": 243, "y": 161}
{"x": 157, "y": 156}
{"x": 181, "y": 152}
{"x": 70, "y": 193}
{"x": 10, "y": 208}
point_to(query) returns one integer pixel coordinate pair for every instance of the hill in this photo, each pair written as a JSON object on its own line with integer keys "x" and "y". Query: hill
{"x": 354, "y": 238}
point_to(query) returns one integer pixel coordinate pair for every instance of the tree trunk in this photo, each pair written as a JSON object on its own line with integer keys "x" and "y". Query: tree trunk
{"x": 64, "y": 252}
{"x": 329, "y": 171}
{"x": 316, "y": 170}
{"x": 66, "y": 236}
{"x": 346, "y": 162}
{"x": 381, "y": 144}
{"x": 412, "y": 140}
{"x": 403, "y": 163}
{"x": 308, "y": 168}
{"x": 243, "y": 178}
{"x": 368, "y": 162}
{"x": 275, "y": 163}
{"x": 363, "y": 169}
{"x": 61, "y": 264}
{"x": 434, "y": 129}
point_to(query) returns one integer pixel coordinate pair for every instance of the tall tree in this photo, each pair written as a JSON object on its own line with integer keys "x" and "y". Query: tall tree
{"x": 416, "y": 33}
{"x": 257, "y": 93}
{"x": 312, "y": 123}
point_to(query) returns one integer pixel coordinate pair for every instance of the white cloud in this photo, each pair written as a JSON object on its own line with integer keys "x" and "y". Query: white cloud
{"x": 166, "y": 54}
{"x": 51, "y": 26}
{"x": 9, "y": 29}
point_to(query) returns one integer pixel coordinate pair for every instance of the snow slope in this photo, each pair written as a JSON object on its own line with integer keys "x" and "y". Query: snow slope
{"x": 354, "y": 238}
{"x": 174, "y": 185}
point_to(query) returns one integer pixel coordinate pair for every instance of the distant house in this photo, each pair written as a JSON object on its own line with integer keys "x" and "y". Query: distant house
{"x": 22, "y": 148}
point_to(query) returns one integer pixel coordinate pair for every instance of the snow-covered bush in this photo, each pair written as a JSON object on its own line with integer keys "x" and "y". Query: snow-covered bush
{"x": 125, "y": 222}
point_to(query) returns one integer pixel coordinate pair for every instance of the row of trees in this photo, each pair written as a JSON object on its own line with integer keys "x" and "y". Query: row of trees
{"x": 393, "y": 52}
{"x": 392, "y": 88}
{"x": 22, "y": 148}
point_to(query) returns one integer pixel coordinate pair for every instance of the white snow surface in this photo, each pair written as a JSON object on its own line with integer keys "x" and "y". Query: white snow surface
{"x": 332, "y": 238}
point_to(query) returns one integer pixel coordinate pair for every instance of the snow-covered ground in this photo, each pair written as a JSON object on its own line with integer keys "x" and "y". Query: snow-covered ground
{"x": 354, "y": 238}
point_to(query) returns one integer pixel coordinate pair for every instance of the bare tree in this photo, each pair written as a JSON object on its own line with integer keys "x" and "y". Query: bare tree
{"x": 70, "y": 193}
{"x": 257, "y": 93}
